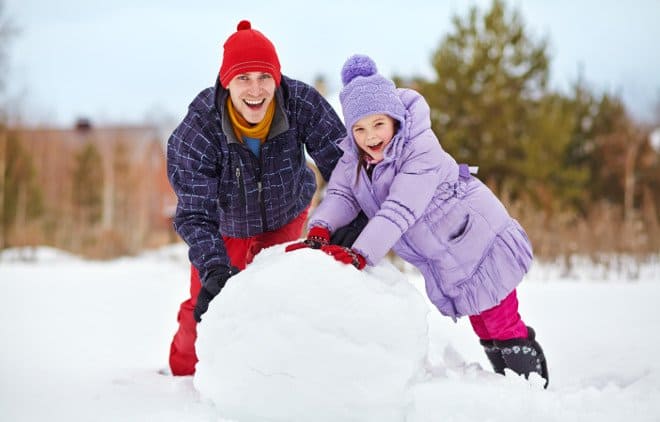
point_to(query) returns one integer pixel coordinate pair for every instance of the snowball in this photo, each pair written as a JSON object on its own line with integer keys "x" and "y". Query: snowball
{"x": 300, "y": 337}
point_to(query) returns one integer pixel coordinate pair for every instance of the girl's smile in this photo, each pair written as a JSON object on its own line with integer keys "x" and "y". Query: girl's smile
{"x": 373, "y": 133}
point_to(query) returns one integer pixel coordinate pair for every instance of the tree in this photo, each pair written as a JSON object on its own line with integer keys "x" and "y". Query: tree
{"x": 6, "y": 32}
{"x": 21, "y": 195}
{"x": 88, "y": 186}
{"x": 544, "y": 174}
{"x": 487, "y": 98}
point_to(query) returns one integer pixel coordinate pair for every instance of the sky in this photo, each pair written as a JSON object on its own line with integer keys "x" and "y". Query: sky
{"x": 137, "y": 60}
{"x": 300, "y": 337}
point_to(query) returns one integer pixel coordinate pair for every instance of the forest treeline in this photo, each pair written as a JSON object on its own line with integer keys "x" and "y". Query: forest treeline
{"x": 575, "y": 168}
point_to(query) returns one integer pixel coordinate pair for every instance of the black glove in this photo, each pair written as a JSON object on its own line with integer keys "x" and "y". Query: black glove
{"x": 213, "y": 283}
{"x": 345, "y": 236}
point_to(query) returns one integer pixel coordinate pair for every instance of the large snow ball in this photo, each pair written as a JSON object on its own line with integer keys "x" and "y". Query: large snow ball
{"x": 300, "y": 337}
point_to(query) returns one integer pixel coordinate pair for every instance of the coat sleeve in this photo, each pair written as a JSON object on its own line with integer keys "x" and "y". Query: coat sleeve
{"x": 339, "y": 206}
{"x": 321, "y": 129}
{"x": 192, "y": 170}
{"x": 410, "y": 194}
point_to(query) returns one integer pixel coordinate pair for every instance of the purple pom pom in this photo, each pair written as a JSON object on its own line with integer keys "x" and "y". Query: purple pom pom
{"x": 357, "y": 65}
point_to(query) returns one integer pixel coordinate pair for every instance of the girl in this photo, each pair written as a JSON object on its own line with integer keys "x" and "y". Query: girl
{"x": 430, "y": 211}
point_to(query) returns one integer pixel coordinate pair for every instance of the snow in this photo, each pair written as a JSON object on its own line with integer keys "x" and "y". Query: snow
{"x": 300, "y": 337}
{"x": 323, "y": 336}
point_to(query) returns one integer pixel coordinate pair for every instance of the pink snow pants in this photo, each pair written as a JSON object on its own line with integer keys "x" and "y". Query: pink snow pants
{"x": 501, "y": 322}
{"x": 241, "y": 252}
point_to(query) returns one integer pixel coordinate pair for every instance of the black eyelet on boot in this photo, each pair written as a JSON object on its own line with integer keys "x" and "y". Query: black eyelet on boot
{"x": 494, "y": 356}
{"x": 524, "y": 356}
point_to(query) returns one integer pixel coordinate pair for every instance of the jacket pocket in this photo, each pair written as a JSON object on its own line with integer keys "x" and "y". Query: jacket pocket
{"x": 463, "y": 228}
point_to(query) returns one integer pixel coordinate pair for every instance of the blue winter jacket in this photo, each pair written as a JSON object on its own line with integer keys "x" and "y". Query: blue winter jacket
{"x": 224, "y": 189}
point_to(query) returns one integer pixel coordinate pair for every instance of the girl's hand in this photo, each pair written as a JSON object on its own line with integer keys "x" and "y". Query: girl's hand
{"x": 345, "y": 255}
{"x": 316, "y": 239}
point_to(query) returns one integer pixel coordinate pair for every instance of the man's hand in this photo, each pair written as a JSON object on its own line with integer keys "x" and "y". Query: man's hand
{"x": 213, "y": 283}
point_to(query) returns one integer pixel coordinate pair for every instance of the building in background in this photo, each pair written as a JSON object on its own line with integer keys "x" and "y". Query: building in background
{"x": 135, "y": 201}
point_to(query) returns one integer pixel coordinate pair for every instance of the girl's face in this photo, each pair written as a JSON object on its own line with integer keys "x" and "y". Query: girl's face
{"x": 373, "y": 133}
{"x": 251, "y": 93}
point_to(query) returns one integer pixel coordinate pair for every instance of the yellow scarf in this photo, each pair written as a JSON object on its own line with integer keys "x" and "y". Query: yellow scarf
{"x": 244, "y": 128}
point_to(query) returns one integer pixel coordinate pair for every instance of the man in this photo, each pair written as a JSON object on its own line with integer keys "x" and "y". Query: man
{"x": 237, "y": 164}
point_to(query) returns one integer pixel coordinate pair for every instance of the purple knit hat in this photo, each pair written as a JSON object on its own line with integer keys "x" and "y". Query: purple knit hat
{"x": 366, "y": 92}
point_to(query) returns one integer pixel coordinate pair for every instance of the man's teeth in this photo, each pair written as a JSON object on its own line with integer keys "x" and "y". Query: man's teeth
{"x": 253, "y": 103}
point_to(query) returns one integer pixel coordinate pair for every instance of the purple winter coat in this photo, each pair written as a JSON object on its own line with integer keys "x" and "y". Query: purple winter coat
{"x": 471, "y": 253}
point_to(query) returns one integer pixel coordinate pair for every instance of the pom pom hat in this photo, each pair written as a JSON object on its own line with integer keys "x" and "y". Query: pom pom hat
{"x": 248, "y": 50}
{"x": 366, "y": 92}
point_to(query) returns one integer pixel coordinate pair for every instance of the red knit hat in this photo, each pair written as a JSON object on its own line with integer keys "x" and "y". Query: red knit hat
{"x": 248, "y": 50}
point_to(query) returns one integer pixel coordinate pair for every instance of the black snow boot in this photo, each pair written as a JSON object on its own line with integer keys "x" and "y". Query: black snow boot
{"x": 524, "y": 355}
{"x": 494, "y": 356}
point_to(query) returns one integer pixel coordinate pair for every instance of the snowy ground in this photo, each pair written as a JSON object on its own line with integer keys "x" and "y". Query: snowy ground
{"x": 84, "y": 341}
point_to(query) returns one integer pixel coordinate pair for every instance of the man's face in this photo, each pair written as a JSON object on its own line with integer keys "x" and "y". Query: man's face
{"x": 251, "y": 93}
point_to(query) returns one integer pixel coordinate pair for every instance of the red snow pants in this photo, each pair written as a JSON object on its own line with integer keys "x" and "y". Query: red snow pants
{"x": 241, "y": 252}
{"x": 501, "y": 322}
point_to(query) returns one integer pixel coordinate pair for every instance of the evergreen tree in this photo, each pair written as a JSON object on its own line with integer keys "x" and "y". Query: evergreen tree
{"x": 88, "y": 186}
{"x": 21, "y": 196}
{"x": 580, "y": 149}
{"x": 491, "y": 78}
{"x": 545, "y": 175}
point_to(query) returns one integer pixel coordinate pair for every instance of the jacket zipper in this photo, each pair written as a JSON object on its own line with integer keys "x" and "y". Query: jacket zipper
{"x": 262, "y": 206}
{"x": 239, "y": 180}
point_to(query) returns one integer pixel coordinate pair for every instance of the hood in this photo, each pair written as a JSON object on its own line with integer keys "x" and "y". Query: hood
{"x": 417, "y": 119}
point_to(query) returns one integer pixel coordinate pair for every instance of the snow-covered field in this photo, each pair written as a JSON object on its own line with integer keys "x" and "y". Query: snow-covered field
{"x": 84, "y": 341}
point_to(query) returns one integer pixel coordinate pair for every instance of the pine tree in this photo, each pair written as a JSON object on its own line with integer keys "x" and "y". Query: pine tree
{"x": 88, "y": 186}
{"x": 22, "y": 200}
{"x": 545, "y": 175}
{"x": 486, "y": 100}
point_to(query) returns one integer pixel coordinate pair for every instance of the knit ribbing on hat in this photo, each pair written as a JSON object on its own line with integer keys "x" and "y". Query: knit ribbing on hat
{"x": 248, "y": 50}
{"x": 366, "y": 92}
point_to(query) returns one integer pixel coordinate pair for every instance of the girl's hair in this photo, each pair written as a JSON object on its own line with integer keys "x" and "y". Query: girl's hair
{"x": 361, "y": 164}
{"x": 361, "y": 154}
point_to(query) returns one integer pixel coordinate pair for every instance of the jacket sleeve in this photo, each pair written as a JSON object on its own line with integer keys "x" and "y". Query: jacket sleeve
{"x": 410, "y": 194}
{"x": 321, "y": 129}
{"x": 339, "y": 206}
{"x": 192, "y": 170}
